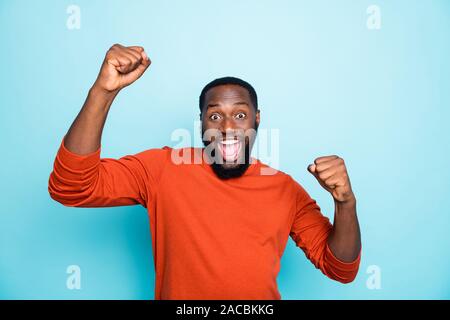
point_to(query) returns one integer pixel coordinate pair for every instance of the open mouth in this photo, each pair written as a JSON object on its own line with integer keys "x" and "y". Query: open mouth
{"x": 230, "y": 149}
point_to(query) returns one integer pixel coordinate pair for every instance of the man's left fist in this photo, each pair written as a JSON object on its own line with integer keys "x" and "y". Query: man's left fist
{"x": 332, "y": 175}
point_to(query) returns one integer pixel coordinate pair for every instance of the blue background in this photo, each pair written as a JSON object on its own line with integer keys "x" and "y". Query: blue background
{"x": 378, "y": 98}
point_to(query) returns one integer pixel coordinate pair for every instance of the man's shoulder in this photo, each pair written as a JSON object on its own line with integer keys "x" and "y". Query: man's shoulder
{"x": 161, "y": 152}
{"x": 169, "y": 154}
{"x": 284, "y": 177}
{"x": 270, "y": 171}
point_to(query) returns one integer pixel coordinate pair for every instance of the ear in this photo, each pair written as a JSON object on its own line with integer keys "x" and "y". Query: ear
{"x": 258, "y": 118}
{"x": 200, "y": 128}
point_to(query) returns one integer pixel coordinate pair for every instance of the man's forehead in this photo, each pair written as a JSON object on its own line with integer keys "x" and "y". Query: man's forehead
{"x": 226, "y": 92}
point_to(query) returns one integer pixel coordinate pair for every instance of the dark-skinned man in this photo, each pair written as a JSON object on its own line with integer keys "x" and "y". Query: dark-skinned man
{"x": 219, "y": 225}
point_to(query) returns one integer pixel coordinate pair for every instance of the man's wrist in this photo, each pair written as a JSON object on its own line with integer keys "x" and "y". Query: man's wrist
{"x": 348, "y": 204}
{"x": 99, "y": 100}
{"x": 98, "y": 92}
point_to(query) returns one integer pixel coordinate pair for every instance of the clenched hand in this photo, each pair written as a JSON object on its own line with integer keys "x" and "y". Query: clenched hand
{"x": 121, "y": 67}
{"x": 332, "y": 175}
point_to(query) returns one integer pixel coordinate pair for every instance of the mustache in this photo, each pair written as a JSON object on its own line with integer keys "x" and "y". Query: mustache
{"x": 216, "y": 135}
{"x": 244, "y": 139}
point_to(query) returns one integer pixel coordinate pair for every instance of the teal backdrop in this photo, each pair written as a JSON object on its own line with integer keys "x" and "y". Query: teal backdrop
{"x": 367, "y": 80}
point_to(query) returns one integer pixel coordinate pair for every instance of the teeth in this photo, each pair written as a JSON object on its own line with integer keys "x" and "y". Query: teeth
{"x": 229, "y": 142}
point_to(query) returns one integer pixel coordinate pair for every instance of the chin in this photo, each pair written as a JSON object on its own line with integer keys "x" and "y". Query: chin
{"x": 232, "y": 170}
{"x": 229, "y": 166}
{"x": 229, "y": 172}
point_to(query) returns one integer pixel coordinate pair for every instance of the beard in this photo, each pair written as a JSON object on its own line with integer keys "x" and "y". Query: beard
{"x": 227, "y": 171}
{"x": 235, "y": 171}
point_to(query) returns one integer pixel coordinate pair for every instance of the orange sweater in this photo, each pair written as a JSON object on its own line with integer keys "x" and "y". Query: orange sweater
{"x": 212, "y": 239}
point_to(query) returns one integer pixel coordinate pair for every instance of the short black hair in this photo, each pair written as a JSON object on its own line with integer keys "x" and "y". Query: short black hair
{"x": 229, "y": 80}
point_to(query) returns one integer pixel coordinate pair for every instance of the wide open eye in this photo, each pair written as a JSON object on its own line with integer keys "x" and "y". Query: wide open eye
{"x": 214, "y": 117}
{"x": 241, "y": 115}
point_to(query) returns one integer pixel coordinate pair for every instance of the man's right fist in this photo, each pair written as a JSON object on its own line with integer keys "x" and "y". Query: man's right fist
{"x": 121, "y": 67}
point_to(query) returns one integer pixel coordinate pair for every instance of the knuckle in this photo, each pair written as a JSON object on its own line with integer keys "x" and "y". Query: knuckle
{"x": 110, "y": 56}
{"x": 112, "y": 50}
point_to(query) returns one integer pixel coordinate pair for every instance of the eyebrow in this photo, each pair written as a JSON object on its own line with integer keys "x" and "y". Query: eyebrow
{"x": 212, "y": 105}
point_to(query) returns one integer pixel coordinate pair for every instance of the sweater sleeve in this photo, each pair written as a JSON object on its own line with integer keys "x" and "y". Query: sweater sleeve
{"x": 91, "y": 181}
{"x": 310, "y": 231}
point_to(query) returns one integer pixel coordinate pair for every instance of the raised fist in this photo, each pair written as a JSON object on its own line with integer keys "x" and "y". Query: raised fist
{"x": 331, "y": 173}
{"x": 121, "y": 67}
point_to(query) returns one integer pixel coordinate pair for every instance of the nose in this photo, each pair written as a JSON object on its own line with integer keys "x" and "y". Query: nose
{"x": 227, "y": 125}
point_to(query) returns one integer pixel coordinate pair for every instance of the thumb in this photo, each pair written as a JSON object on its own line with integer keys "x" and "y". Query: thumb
{"x": 312, "y": 169}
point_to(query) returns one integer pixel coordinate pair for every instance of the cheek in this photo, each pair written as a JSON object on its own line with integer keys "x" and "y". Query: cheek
{"x": 211, "y": 125}
{"x": 208, "y": 124}
{"x": 251, "y": 123}
{"x": 247, "y": 123}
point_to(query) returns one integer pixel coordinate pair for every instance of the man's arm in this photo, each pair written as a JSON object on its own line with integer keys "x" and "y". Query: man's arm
{"x": 345, "y": 238}
{"x": 80, "y": 178}
{"x": 121, "y": 67}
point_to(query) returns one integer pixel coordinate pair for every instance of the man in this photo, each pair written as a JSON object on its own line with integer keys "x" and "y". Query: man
{"x": 219, "y": 225}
